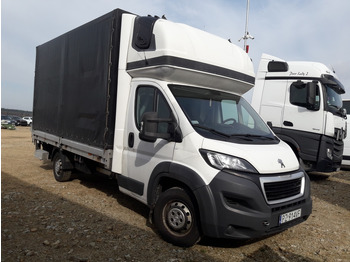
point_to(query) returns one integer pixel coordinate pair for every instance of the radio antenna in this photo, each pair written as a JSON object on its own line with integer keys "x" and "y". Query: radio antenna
{"x": 246, "y": 33}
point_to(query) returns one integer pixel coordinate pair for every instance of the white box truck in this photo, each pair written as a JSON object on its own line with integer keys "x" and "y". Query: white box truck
{"x": 346, "y": 154}
{"x": 158, "y": 106}
{"x": 301, "y": 102}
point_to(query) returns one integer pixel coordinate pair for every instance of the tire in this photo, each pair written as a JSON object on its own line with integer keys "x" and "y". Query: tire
{"x": 176, "y": 218}
{"x": 58, "y": 172}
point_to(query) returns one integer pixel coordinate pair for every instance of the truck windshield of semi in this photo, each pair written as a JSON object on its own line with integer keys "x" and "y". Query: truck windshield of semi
{"x": 334, "y": 90}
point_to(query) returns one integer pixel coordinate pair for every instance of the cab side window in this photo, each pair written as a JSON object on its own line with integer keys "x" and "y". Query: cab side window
{"x": 298, "y": 95}
{"x": 150, "y": 99}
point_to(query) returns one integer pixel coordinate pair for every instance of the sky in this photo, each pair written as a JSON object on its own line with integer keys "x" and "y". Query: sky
{"x": 294, "y": 30}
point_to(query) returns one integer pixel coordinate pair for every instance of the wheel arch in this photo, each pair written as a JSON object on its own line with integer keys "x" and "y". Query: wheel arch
{"x": 167, "y": 175}
{"x": 54, "y": 151}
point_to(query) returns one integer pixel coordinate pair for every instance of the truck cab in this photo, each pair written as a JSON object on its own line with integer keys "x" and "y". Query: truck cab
{"x": 302, "y": 103}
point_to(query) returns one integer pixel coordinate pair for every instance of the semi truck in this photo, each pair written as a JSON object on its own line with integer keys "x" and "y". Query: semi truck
{"x": 301, "y": 101}
{"x": 158, "y": 106}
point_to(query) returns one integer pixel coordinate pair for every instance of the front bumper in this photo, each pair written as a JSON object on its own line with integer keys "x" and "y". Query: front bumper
{"x": 324, "y": 162}
{"x": 234, "y": 206}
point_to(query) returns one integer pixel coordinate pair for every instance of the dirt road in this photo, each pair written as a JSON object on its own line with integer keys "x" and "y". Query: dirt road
{"x": 87, "y": 219}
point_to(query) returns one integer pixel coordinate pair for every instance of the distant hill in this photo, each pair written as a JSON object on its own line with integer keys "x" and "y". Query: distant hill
{"x": 15, "y": 112}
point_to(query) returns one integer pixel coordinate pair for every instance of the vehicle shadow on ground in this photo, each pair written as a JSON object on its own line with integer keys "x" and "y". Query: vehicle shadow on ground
{"x": 46, "y": 165}
{"x": 344, "y": 174}
{"x": 334, "y": 192}
{"x": 228, "y": 243}
{"x": 40, "y": 226}
{"x": 265, "y": 253}
{"x": 110, "y": 188}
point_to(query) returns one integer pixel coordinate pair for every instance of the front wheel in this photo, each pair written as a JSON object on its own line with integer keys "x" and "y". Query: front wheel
{"x": 176, "y": 219}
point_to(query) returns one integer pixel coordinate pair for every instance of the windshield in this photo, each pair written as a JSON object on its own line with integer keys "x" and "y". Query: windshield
{"x": 333, "y": 98}
{"x": 333, "y": 89}
{"x": 224, "y": 116}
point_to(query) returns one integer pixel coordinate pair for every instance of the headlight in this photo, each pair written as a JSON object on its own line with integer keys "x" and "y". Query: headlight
{"x": 329, "y": 153}
{"x": 222, "y": 161}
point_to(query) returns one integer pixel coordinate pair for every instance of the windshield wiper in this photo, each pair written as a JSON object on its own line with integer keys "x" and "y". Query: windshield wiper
{"x": 211, "y": 130}
{"x": 252, "y": 136}
{"x": 336, "y": 110}
{"x": 247, "y": 137}
{"x": 336, "y": 107}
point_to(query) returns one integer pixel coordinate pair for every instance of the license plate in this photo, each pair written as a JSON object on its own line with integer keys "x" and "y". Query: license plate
{"x": 286, "y": 217}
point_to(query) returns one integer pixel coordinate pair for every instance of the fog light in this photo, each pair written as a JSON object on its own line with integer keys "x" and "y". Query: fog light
{"x": 329, "y": 153}
{"x": 266, "y": 223}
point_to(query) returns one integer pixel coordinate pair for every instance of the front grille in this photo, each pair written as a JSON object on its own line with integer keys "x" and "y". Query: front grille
{"x": 294, "y": 204}
{"x": 283, "y": 188}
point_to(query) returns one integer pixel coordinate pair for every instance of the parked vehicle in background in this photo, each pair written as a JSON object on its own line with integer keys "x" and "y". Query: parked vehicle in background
{"x": 19, "y": 121}
{"x": 28, "y": 119}
{"x": 302, "y": 103}
{"x": 346, "y": 154}
{"x": 7, "y": 120}
{"x": 158, "y": 106}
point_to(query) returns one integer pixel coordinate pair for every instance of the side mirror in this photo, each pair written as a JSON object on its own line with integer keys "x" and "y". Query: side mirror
{"x": 151, "y": 127}
{"x": 311, "y": 102}
{"x": 344, "y": 112}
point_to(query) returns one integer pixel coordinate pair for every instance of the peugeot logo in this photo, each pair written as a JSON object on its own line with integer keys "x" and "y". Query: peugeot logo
{"x": 281, "y": 162}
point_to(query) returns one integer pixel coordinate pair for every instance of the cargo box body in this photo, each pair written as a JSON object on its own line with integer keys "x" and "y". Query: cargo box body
{"x": 76, "y": 77}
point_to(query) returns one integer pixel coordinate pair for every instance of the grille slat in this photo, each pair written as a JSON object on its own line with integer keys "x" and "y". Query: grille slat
{"x": 282, "y": 189}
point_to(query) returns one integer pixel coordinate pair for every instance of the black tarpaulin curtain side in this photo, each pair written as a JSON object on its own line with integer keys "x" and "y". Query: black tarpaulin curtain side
{"x": 75, "y": 83}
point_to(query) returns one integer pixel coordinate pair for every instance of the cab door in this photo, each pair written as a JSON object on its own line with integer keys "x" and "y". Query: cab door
{"x": 141, "y": 157}
{"x": 297, "y": 115}
{"x": 303, "y": 125}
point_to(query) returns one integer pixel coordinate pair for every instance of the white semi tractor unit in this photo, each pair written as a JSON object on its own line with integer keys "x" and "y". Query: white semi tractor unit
{"x": 158, "y": 106}
{"x": 302, "y": 103}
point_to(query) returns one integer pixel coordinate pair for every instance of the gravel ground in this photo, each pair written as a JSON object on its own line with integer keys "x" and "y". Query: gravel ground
{"x": 88, "y": 219}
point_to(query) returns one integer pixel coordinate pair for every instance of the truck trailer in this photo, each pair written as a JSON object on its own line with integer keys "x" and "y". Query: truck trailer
{"x": 302, "y": 103}
{"x": 158, "y": 106}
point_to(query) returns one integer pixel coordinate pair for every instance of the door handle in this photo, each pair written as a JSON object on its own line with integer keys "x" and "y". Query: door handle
{"x": 131, "y": 140}
{"x": 287, "y": 123}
